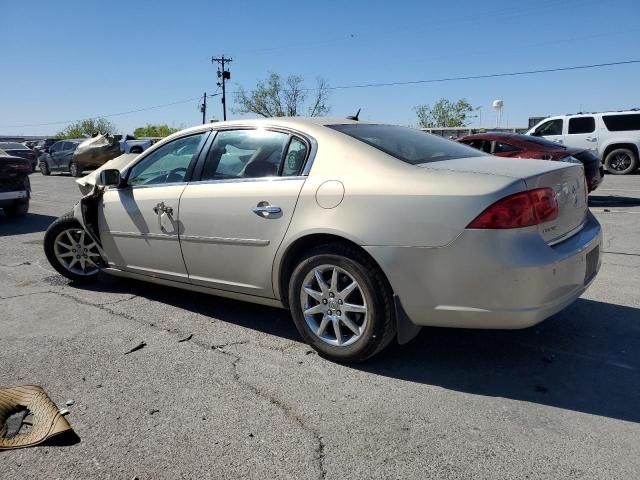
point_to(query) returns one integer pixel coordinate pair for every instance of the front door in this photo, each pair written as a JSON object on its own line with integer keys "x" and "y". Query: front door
{"x": 236, "y": 216}
{"x": 552, "y": 130}
{"x": 138, "y": 223}
{"x": 581, "y": 133}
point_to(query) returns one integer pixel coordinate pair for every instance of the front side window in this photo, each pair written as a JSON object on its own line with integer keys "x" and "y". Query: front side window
{"x": 552, "y": 127}
{"x": 582, "y": 125}
{"x": 622, "y": 123}
{"x": 407, "y": 144}
{"x": 239, "y": 154}
{"x": 167, "y": 164}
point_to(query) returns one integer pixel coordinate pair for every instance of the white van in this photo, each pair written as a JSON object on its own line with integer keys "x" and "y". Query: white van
{"x": 613, "y": 136}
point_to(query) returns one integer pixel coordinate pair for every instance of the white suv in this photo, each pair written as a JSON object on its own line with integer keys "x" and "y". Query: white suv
{"x": 613, "y": 136}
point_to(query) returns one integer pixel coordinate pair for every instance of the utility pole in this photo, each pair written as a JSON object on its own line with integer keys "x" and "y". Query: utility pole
{"x": 203, "y": 108}
{"x": 224, "y": 75}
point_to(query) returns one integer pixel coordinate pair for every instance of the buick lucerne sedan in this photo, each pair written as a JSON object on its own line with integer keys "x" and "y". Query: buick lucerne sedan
{"x": 364, "y": 231}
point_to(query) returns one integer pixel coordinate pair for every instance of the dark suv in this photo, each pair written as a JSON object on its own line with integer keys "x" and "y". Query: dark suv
{"x": 15, "y": 189}
{"x": 59, "y": 158}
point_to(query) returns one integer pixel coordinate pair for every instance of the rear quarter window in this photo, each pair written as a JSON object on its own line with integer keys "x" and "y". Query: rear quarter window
{"x": 406, "y": 144}
{"x": 622, "y": 123}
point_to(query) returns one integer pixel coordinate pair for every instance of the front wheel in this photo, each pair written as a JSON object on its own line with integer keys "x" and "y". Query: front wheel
{"x": 71, "y": 251}
{"x": 342, "y": 304}
{"x": 44, "y": 168}
{"x": 621, "y": 161}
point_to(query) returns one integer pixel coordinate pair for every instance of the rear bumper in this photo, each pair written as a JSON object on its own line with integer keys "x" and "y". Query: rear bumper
{"x": 9, "y": 198}
{"x": 490, "y": 279}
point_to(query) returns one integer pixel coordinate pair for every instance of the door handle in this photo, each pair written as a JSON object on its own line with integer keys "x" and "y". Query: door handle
{"x": 162, "y": 208}
{"x": 264, "y": 209}
{"x": 590, "y": 139}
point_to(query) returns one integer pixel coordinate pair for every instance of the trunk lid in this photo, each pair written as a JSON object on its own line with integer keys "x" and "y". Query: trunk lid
{"x": 566, "y": 179}
{"x": 571, "y": 195}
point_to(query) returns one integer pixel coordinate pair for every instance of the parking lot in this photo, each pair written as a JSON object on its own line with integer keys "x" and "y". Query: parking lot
{"x": 224, "y": 389}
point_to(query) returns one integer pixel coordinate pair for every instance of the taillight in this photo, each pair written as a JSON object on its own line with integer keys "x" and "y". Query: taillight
{"x": 519, "y": 210}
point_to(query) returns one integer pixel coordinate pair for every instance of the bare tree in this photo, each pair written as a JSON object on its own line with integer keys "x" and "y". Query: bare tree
{"x": 274, "y": 98}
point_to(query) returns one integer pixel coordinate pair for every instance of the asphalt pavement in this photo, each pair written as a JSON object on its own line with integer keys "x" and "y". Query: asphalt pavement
{"x": 225, "y": 389}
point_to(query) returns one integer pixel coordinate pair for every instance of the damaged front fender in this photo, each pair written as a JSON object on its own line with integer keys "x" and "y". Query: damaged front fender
{"x": 86, "y": 213}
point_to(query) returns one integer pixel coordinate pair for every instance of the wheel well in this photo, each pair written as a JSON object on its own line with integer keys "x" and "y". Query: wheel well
{"x": 610, "y": 148}
{"x": 296, "y": 251}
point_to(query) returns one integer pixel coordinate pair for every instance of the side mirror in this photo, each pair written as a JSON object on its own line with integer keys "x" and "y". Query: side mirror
{"x": 109, "y": 178}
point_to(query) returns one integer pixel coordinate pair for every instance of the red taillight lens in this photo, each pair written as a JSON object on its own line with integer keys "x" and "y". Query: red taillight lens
{"x": 519, "y": 210}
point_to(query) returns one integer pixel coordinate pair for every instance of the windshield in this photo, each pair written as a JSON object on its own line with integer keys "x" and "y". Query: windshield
{"x": 407, "y": 144}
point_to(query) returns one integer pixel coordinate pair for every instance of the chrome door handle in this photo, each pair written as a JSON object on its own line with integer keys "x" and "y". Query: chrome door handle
{"x": 590, "y": 139}
{"x": 162, "y": 208}
{"x": 265, "y": 210}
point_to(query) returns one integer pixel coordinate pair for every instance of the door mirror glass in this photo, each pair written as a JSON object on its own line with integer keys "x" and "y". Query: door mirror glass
{"x": 109, "y": 178}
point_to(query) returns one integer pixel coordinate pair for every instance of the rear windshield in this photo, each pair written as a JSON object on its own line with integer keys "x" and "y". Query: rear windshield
{"x": 407, "y": 144}
{"x": 12, "y": 146}
{"x": 622, "y": 123}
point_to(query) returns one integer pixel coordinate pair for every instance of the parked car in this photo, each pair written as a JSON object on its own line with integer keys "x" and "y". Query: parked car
{"x": 58, "y": 157}
{"x": 364, "y": 231}
{"x": 524, "y": 146}
{"x": 613, "y": 136}
{"x": 76, "y": 156}
{"x": 129, "y": 144}
{"x": 19, "y": 150}
{"x": 15, "y": 189}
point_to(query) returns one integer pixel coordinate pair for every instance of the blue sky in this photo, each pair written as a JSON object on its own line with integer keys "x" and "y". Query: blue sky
{"x": 75, "y": 59}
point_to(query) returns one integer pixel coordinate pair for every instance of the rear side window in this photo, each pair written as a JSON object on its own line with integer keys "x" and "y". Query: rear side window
{"x": 406, "y": 144}
{"x": 582, "y": 125}
{"x": 622, "y": 123}
{"x": 505, "y": 148}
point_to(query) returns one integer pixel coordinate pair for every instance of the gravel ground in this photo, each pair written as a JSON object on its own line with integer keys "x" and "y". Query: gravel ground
{"x": 242, "y": 396}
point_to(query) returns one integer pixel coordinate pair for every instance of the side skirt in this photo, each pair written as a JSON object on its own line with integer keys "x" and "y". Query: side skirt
{"x": 271, "y": 302}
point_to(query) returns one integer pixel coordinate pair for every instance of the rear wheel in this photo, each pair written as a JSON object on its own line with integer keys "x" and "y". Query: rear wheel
{"x": 74, "y": 170}
{"x": 621, "y": 161}
{"x": 44, "y": 168}
{"x": 71, "y": 251}
{"x": 19, "y": 209}
{"x": 341, "y": 304}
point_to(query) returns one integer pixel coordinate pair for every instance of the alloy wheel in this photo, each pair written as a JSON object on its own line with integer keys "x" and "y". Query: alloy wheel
{"x": 77, "y": 252}
{"x": 334, "y": 305}
{"x": 621, "y": 162}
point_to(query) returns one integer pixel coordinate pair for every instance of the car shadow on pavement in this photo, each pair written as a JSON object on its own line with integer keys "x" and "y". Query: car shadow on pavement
{"x": 585, "y": 359}
{"x": 269, "y": 320}
{"x": 613, "y": 201}
{"x": 30, "y": 223}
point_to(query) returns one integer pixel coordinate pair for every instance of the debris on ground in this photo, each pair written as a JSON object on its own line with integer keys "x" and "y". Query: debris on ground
{"x": 28, "y": 417}
{"x": 140, "y": 346}
{"x": 186, "y": 339}
{"x": 70, "y": 403}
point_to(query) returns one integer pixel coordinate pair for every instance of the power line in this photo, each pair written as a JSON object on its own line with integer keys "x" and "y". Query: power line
{"x": 475, "y": 77}
{"x": 366, "y": 85}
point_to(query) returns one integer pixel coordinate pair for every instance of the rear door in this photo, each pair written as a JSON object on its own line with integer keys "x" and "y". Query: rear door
{"x": 236, "y": 216}
{"x": 581, "y": 133}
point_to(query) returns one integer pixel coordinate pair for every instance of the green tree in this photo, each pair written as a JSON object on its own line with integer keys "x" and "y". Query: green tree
{"x": 159, "y": 130}
{"x": 445, "y": 113}
{"x": 275, "y": 97}
{"x": 87, "y": 128}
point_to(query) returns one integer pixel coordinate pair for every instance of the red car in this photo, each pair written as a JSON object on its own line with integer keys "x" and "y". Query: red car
{"x": 525, "y": 146}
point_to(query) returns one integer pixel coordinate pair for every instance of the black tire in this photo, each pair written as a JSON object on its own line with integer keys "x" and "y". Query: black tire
{"x": 381, "y": 326}
{"x": 44, "y": 168}
{"x": 75, "y": 170}
{"x": 621, "y": 161}
{"x": 19, "y": 209}
{"x": 63, "y": 223}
